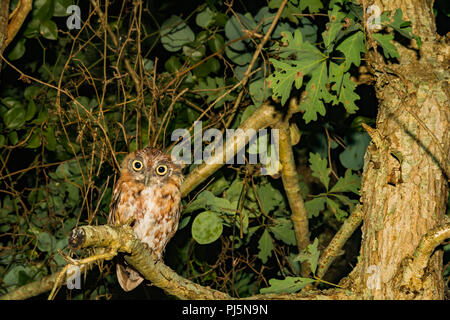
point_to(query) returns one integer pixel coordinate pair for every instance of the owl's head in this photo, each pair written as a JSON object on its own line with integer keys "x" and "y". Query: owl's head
{"x": 151, "y": 167}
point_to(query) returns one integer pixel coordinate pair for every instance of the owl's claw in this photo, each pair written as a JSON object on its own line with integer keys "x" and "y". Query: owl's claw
{"x": 130, "y": 222}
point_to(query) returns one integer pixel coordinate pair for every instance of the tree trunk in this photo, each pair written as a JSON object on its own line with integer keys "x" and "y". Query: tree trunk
{"x": 404, "y": 187}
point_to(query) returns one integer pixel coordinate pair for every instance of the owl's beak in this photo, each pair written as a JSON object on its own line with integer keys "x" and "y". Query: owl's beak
{"x": 147, "y": 180}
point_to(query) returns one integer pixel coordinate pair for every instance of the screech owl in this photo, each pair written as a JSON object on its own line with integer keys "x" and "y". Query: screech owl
{"x": 147, "y": 196}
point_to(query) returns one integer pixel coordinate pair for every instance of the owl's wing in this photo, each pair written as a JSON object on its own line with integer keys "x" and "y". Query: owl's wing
{"x": 115, "y": 199}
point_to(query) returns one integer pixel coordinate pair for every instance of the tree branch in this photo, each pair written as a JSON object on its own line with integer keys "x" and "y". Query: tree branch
{"x": 264, "y": 116}
{"x": 17, "y": 18}
{"x": 124, "y": 239}
{"x": 340, "y": 238}
{"x": 413, "y": 272}
{"x": 291, "y": 183}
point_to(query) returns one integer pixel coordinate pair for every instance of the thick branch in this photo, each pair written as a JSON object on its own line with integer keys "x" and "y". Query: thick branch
{"x": 124, "y": 239}
{"x": 32, "y": 289}
{"x": 414, "y": 270}
{"x": 261, "y": 118}
{"x": 4, "y": 16}
{"x": 291, "y": 183}
{"x": 340, "y": 238}
{"x": 17, "y": 18}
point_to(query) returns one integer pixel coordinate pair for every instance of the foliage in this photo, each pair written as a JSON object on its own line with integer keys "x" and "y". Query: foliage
{"x": 64, "y": 132}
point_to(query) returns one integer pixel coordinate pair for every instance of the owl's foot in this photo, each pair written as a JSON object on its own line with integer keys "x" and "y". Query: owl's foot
{"x": 130, "y": 222}
{"x": 156, "y": 257}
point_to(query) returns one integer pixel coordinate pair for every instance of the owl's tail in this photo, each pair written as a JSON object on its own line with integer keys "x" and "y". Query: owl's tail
{"x": 128, "y": 278}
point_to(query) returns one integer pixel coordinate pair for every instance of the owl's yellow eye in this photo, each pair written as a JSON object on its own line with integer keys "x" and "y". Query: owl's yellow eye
{"x": 161, "y": 169}
{"x": 137, "y": 165}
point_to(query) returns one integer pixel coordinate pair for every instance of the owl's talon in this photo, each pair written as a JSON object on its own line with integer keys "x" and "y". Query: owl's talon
{"x": 130, "y": 222}
{"x": 156, "y": 257}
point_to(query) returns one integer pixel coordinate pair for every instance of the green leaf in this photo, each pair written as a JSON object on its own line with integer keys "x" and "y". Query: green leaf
{"x": 219, "y": 186}
{"x": 45, "y": 242}
{"x": 349, "y": 183}
{"x": 42, "y": 116}
{"x": 184, "y": 222}
{"x": 282, "y": 79}
{"x": 175, "y": 33}
{"x": 148, "y": 64}
{"x": 248, "y": 112}
{"x": 234, "y": 30}
{"x": 259, "y": 91}
{"x": 316, "y": 91}
{"x": 269, "y": 197}
{"x": 333, "y": 206}
{"x": 265, "y": 246}
{"x": 287, "y": 285}
{"x": 8, "y": 206}
{"x": 207, "y": 227}
{"x": 311, "y": 255}
{"x": 207, "y": 200}
{"x": 50, "y": 139}
{"x": 293, "y": 44}
{"x": 2, "y": 140}
{"x": 216, "y": 43}
{"x": 313, "y": 5}
{"x": 172, "y": 64}
{"x": 352, "y": 47}
{"x": 194, "y": 54}
{"x": 31, "y": 110}
{"x": 13, "y": 137}
{"x": 401, "y": 26}
{"x": 345, "y": 89}
{"x": 241, "y": 58}
{"x": 283, "y": 230}
{"x": 49, "y": 30}
{"x": 12, "y": 277}
{"x": 234, "y": 191}
{"x": 73, "y": 192}
{"x": 18, "y": 51}
{"x": 389, "y": 50}
{"x": 213, "y": 88}
{"x": 43, "y": 10}
{"x": 15, "y": 118}
{"x": 353, "y": 155}
{"x": 320, "y": 168}
{"x": 210, "y": 66}
{"x": 291, "y": 10}
{"x": 205, "y": 18}
{"x": 307, "y": 58}
{"x": 346, "y": 201}
{"x": 61, "y": 8}
{"x": 334, "y": 26}
{"x": 314, "y": 206}
{"x": 34, "y": 141}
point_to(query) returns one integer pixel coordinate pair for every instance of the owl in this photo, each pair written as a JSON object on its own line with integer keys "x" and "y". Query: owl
{"x": 147, "y": 197}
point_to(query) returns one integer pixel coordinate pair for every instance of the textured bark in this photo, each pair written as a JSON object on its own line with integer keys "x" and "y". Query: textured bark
{"x": 404, "y": 196}
{"x": 291, "y": 184}
{"x": 4, "y": 15}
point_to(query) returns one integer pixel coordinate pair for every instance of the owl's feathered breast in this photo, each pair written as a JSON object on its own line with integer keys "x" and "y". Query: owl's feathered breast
{"x": 154, "y": 210}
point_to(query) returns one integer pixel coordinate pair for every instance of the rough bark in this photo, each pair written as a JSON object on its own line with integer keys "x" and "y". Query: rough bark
{"x": 404, "y": 187}
{"x": 4, "y": 15}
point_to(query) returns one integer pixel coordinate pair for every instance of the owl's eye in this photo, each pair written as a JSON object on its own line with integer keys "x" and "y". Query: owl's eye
{"x": 161, "y": 169}
{"x": 137, "y": 165}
